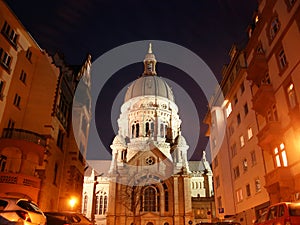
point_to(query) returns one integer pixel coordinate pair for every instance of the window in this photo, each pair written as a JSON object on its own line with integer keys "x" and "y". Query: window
{"x": 242, "y": 141}
{"x": 253, "y": 158}
{"x": 274, "y": 27}
{"x": 291, "y": 96}
{"x": 272, "y": 114}
{"x": 242, "y": 87}
{"x": 266, "y": 79}
{"x": 233, "y": 150}
{"x": 238, "y": 117}
{"x": 248, "y": 191}
{"x": 17, "y": 100}
{"x": 235, "y": 99}
{"x": 166, "y": 197}
{"x": 239, "y": 195}
{"x": 1, "y": 89}
{"x": 282, "y": 59}
{"x": 228, "y": 109}
{"x": 231, "y": 129}
{"x": 97, "y": 205}
{"x": 216, "y": 162}
{"x": 150, "y": 203}
{"x": 3, "y": 160}
{"x": 217, "y": 181}
{"x": 246, "y": 110}
{"x": 55, "y": 174}
{"x": 250, "y": 133}
{"x": 149, "y": 128}
{"x": 5, "y": 59}
{"x": 10, "y": 34}
{"x": 11, "y": 124}
{"x": 23, "y": 76}
{"x": 28, "y": 54}
{"x": 245, "y": 165}
{"x": 257, "y": 185}
{"x": 236, "y": 172}
{"x": 60, "y": 139}
{"x": 135, "y": 130}
{"x": 280, "y": 157}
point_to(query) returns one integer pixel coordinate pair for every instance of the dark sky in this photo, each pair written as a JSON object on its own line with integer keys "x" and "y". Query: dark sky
{"x": 77, "y": 27}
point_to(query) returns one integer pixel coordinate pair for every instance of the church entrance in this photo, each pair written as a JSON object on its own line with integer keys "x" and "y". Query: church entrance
{"x": 149, "y": 223}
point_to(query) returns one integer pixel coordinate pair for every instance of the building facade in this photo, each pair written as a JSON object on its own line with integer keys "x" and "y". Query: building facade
{"x": 39, "y": 155}
{"x": 149, "y": 179}
{"x": 273, "y": 69}
{"x": 253, "y": 117}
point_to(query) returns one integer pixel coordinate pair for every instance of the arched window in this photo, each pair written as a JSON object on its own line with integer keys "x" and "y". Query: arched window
{"x": 101, "y": 205}
{"x": 105, "y": 205}
{"x": 149, "y": 128}
{"x": 150, "y": 199}
{"x": 97, "y": 205}
{"x": 135, "y": 130}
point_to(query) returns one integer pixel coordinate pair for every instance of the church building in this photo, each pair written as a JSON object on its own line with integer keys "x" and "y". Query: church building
{"x": 149, "y": 173}
{"x": 149, "y": 180}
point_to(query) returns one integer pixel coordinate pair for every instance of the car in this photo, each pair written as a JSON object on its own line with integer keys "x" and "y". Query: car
{"x": 67, "y": 218}
{"x": 285, "y": 213}
{"x": 20, "y": 211}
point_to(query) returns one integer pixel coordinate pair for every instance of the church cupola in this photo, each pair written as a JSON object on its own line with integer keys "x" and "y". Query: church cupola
{"x": 149, "y": 62}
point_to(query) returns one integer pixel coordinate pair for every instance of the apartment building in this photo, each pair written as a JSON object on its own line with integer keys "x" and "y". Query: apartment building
{"x": 254, "y": 116}
{"x": 39, "y": 154}
{"x": 273, "y": 68}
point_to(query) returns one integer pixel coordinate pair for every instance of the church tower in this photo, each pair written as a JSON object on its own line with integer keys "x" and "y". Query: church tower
{"x": 149, "y": 172}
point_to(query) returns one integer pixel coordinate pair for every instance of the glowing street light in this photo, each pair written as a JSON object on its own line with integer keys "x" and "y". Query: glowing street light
{"x": 72, "y": 202}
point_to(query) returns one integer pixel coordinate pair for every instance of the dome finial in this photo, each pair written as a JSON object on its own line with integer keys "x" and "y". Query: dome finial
{"x": 150, "y": 48}
{"x": 149, "y": 62}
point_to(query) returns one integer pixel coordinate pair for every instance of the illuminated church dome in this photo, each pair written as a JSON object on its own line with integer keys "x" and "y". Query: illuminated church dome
{"x": 149, "y": 83}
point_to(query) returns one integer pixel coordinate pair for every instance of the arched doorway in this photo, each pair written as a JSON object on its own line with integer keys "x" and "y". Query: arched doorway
{"x": 149, "y": 223}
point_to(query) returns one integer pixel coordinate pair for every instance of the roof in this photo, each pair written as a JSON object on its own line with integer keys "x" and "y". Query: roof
{"x": 99, "y": 166}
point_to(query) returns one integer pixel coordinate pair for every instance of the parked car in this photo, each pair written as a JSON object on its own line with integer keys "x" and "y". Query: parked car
{"x": 19, "y": 211}
{"x": 66, "y": 218}
{"x": 285, "y": 213}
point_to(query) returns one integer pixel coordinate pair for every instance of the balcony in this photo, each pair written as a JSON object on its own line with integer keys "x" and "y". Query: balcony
{"x": 25, "y": 135}
{"x": 271, "y": 132}
{"x": 263, "y": 99}
{"x": 14, "y": 183}
{"x": 257, "y": 67}
{"x": 280, "y": 183}
{"x": 26, "y": 141}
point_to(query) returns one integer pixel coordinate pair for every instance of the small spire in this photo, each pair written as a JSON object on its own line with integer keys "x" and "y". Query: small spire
{"x": 149, "y": 62}
{"x": 150, "y": 48}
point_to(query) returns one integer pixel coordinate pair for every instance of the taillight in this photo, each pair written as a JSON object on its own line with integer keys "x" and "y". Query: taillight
{"x": 24, "y": 215}
{"x": 287, "y": 221}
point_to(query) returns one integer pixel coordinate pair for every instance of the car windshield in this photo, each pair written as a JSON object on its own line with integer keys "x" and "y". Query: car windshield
{"x": 294, "y": 209}
{"x": 29, "y": 206}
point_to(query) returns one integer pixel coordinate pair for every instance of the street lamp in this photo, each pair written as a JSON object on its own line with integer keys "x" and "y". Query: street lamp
{"x": 72, "y": 202}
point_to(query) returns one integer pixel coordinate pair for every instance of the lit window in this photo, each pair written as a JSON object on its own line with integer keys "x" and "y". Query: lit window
{"x": 257, "y": 185}
{"x": 242, "y": 141}
{"x": 245, "y": 165}
{"x": 291, "y": 96}
{"x": 250, "y": 133}
{"x": 228, "y": 109}
{"x": 280, "y": 156}
{"x": 239, "y": 195}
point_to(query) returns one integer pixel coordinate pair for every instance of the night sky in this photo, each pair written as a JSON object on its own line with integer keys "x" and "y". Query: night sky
{"x": 77, "y": 27}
